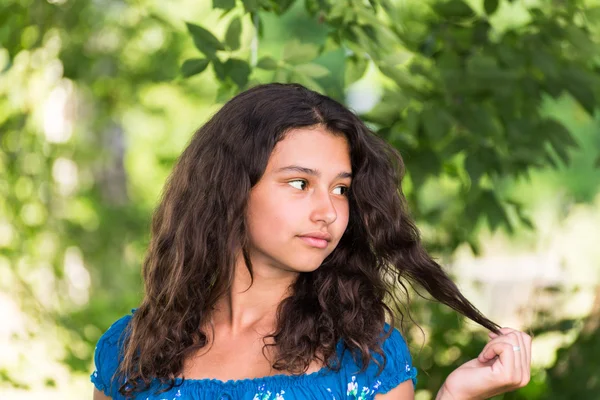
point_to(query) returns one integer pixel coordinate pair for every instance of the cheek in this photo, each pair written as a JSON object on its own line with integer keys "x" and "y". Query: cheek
{"x": 270, "y": 215}
{"x": 343, "y": 212}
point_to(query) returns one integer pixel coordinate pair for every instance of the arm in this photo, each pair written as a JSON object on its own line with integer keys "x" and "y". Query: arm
{"x": 403, "y": 391}
{"x": 98, "y": 395}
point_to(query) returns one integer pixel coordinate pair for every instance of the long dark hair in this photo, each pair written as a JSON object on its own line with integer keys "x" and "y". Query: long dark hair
{"x": 200, "y": 224}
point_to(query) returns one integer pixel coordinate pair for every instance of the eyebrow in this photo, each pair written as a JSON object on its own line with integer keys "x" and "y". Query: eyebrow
{"x": 313, "y": 172}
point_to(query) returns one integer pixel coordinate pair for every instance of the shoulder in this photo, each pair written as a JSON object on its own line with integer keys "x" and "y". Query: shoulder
{"x": 108, "y": 355}
{"x": 398, "y": 361}
{"x": 395, "y": 345}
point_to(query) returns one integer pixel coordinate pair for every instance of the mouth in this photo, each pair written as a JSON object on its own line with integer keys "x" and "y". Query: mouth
{"x": 319, "y": 240}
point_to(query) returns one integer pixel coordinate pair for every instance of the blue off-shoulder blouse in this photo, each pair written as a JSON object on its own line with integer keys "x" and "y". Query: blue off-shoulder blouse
{"x": 347, "y": 383}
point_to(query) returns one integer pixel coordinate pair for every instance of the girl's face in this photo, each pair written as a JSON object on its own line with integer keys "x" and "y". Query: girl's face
{"x": 298, "y": 211}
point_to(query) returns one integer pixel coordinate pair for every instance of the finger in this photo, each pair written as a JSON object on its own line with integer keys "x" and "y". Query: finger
{"x": 523, "y": 360}
{"x": 528, "y": 343}
{"x": 486, "y": 353}
{"x": 525, "y": 345}
{"x": 522, "y": 367}
{"x": 505, "y": 368}
{"x": 507, "y": 330}
{"x": 514, "y": 370}
{"x": 503, "y": 331}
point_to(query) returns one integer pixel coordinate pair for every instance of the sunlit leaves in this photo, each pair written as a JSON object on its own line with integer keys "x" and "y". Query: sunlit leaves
{"x": 490, "y": 6}
{"x": 232, "y": 36}
{"x": 194, "y": 66}
{"x": 267, "y": 63}
{"x": 454, "y": 9}
{"x": 204, "y": 40}
{"x": 224, "y": 4}
{"x": 312, "y": 70}
{"x": 296, "y": 52}
{"x": 460, "y": 101}
{"x": 355, "y": 68}
{"x": 437, "y": 122}
{"x": 250, "y": 5}
{"x": 238, "y": 70}
{"x": 581, "y": 84}
{"x": 465, "y": 90}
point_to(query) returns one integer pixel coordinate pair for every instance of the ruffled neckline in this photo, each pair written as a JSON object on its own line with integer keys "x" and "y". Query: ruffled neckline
{"x": 281, "y": 380}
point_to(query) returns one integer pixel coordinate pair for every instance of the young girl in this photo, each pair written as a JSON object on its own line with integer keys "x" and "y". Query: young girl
{"x": 277, "y": 253}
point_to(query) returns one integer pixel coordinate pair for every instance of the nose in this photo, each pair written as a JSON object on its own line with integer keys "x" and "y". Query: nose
{"x": 323, "y": 207}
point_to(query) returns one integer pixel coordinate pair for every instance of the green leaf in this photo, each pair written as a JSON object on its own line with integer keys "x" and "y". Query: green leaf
{"x": 474, "y": 167}
{"x": 225, "y": 92}
{"x": 267, "y": 63}
{"x": 403, "y": 79}
{"x": 546, "y": 63}
{"x": 597, "y": 162}
{"x": 475, "y": 247}
{"x": 523, "y": 218}
{"x": 194, "y": 66}
{"x": 549, "y": 156}
{"x": 238, "y": 70}
{"x": 250, "y": 5}
{"x": 388, "y": 110}
{"x": 306, "y": 81}
{"x": 558, "y": 133}
{"x": 281, "y": 75}
{"x": 454, "y": 9}
{"x": 355, "y": 68}
{"x": 232, "y": 36}
{"x": 490, "y": 6}
{"x": 312, "y": 70}
{"x": 481, "y": 32}
{"x": 219, "y": 68}
{"x": 560, "y": 150}
{"x": 580, "y": 86}
{"x": 205, "y": 41}
{"x": 367, "y": 17}
{"x": 593, "y": 14}
{"x": 224, "y": 4}
{"x": 494, "y": 211}
{"x": 437, "y": 122}
{"x": 581, "y": 40}
{"x": 299, "y": 53}
{"x": 281, "y": 6}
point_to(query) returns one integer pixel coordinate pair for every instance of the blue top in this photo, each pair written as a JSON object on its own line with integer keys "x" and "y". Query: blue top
{"x": 347, "y": 383}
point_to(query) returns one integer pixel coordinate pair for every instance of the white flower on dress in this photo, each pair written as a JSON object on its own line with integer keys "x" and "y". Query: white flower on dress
{"x": 352, "y": 387}
{"x": 262, "y": 395}
{"x": 279, "y": 396}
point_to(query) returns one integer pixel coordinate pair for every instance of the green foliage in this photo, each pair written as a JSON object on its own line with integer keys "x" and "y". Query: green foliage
{"x": 194, "y": 66}
{"x": 461, "y": 99}
{"x": 473, "y": 95}
{"x": 205, "y": 41}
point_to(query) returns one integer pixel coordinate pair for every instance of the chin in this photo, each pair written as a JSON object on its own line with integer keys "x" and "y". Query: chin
{"x": 308, "y": 266}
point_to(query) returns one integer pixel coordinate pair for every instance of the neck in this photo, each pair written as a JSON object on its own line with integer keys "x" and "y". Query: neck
{"x": 252, "y": 304}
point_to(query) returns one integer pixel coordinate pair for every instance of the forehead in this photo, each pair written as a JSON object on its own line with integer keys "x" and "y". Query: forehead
{"x": 312, "y": 147}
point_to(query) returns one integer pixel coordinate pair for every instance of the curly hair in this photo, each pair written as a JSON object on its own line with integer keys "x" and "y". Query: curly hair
{"x": 200, "y": 224}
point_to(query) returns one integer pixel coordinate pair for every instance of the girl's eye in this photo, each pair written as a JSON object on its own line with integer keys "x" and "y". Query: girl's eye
{"x": 298, "y": 184}
{"x": 341, "y": 190}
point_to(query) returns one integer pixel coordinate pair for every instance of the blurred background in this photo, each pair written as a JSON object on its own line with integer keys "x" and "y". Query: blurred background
{"x": 493, "y": 105}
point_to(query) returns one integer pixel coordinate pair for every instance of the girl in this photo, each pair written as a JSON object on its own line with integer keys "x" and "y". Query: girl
{"x": 273, "y": 271}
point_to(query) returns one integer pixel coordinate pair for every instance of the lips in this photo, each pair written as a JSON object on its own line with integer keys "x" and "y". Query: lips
{"x": 316, "y": 239}
{"x": 318, "y": 235}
